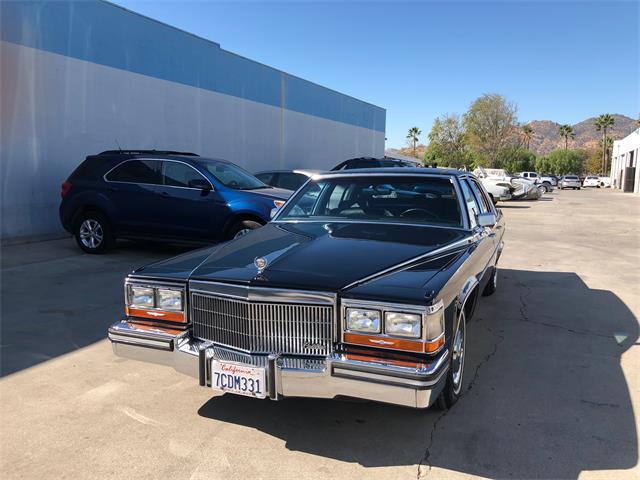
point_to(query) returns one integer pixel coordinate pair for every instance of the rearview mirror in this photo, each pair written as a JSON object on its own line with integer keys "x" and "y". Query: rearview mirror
{"x": 486, "y": 219}
{"x": 200, "y": 183}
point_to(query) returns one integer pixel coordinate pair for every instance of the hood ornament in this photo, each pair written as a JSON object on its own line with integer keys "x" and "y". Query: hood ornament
{"x": 260, "y": 263}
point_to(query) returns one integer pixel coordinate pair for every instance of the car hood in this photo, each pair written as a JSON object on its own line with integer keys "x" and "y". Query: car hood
{"x": 320, "y": 256}
{"x": 271, "y": 192}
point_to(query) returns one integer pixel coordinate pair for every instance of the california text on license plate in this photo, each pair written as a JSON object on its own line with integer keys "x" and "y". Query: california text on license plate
{"x": 240, "y": 379}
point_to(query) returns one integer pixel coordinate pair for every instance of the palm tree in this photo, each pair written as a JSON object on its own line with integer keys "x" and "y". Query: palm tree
{"x": 566, "y": 132}
{"x": 604, "y": 122}
{"x": 412, "y": 136}
{"x": 527, "y": 134}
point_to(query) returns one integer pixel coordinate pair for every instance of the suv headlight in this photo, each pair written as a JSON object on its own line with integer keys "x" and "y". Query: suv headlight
{"x": 403, "y": 324}
{"x": 361, "y": 320}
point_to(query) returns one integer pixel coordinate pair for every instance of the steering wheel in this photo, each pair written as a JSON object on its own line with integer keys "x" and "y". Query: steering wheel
{"x": 418, "y": 212}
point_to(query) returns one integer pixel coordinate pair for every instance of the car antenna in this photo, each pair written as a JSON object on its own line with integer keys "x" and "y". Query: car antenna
{"x": 120, "y": 149}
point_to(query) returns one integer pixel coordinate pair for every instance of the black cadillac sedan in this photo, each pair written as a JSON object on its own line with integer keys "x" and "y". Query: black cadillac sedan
{"x": 360, "y": 286}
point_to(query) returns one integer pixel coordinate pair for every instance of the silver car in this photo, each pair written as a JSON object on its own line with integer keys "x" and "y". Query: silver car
{"x": 570, "y": 181}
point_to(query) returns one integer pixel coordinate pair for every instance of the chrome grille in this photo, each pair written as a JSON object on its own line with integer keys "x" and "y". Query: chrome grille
{"x": 263, "y": 327}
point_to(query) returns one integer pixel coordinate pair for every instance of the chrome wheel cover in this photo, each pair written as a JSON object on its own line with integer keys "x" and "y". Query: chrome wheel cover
{"x": 242, "y": 232}
{"x": 91, "y": 233}
{"x": 457, "y": 356}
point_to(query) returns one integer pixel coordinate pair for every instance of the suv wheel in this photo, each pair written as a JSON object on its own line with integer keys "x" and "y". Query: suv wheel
{"x": 241, "y": 228}
{"x": 93, "y": 233}
{"x": 455, "y": 375}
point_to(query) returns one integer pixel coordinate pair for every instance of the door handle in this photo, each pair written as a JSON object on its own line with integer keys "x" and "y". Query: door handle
{"x": 492, "y": 234}
{"x": 113, "y": 189}
{"x": 164, "y": 194}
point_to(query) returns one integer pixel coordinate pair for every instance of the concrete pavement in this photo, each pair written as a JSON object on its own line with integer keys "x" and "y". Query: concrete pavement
{"x": 551, "y": 383}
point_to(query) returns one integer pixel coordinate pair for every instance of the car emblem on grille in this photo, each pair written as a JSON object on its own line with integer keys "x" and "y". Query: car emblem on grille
{"x": 260, "y": 263}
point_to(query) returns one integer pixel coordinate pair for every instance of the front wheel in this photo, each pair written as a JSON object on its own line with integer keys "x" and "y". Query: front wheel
{"x": 453, "y": 388}
{"x": 241, "y": 228}
{"x": 93, "y": 233}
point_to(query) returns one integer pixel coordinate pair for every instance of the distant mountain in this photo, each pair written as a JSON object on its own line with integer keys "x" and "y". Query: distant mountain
{"x": 546, "y": 138}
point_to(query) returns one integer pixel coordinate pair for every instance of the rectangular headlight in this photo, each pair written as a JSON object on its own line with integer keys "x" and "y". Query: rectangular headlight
{"x": 141, "y": 297}
{"x": 403, "y": 324}
{"x": 169, "y": 299}
{"x": 361, "y": 320}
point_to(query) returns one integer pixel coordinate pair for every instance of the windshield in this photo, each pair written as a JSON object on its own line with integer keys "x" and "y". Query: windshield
{"x": 400, "y": 199}
{"x": 233, "y": 176}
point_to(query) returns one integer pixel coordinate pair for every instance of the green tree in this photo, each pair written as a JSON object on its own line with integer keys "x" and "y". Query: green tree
{"x": 566, "y": 132}
{"x": 604, "y": 123}
{"x": 515, "y": 160}
{"x": 491, "y": 124}
{"x": 413, "y": 137}
{"x": 527, "y": 135}
{"x": 562, "y": 162}
{"x": 594, "y": 162}
{"x": 447, "y": 143}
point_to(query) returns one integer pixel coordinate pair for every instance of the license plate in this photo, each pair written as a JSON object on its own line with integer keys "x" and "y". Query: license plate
{"x": 239, "y": 379}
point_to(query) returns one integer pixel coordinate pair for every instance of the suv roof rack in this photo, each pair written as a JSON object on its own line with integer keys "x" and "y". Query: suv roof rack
{"x": 147, "y": 152}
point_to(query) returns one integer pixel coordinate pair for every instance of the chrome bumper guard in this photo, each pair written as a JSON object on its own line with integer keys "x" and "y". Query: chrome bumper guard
{"x": 288, "y": 376}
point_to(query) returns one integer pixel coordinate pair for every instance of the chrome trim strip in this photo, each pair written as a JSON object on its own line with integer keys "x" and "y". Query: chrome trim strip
{"x": 263, "y": 294}
{"x": 104, "y": 177}
{"x": 401, "y": 266}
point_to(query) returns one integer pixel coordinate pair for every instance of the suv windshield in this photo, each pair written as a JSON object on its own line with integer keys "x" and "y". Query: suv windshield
{"x": 401, "y": 199}
{"x": 232, "y": 176}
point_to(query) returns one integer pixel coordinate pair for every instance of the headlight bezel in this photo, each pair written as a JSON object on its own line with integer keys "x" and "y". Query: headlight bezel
{"x": 431, "y": 341}
{"x": 171, "y": 313}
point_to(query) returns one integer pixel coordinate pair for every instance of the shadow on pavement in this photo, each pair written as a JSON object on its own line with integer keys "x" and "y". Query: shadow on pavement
{"x": 56, "y": 299}
{"x": 545, "y": 395}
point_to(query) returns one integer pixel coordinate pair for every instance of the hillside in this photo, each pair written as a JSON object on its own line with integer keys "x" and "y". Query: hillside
{"x": 546, "y": 138}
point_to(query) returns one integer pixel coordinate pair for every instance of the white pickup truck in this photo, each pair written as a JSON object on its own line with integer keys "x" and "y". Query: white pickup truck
{"x": 539, "y": 179}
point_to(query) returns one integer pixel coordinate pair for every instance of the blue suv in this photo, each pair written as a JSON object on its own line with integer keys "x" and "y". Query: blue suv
{"x": 175, "y": 197}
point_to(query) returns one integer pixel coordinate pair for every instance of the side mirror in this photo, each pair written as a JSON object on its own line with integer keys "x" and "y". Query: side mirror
{"x": 200, "y": 183}
{"x": 274, "y": 211}
{"x": 486, "y": 219}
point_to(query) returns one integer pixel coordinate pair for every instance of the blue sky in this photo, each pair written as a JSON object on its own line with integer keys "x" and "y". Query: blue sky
{"x": 561, "y": 61}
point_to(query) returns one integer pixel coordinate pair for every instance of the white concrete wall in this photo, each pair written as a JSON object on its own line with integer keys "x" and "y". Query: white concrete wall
{"x": 625, "y": 154}
{"x": 55, "y": 110}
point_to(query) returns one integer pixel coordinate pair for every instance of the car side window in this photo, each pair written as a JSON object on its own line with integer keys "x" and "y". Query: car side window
{"x": 136, "y": 171}
{"x": 268, "y": 177}
{"x": 484, "y": 203}
{"x": 470, "y": 201}
{"x": 177, "y": 174}
{"x": 291, "y": 181}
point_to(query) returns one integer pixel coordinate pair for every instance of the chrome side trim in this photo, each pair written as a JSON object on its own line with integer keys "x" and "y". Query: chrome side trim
{"x": 408, "y": 263}
{"x": 104, "y": 177}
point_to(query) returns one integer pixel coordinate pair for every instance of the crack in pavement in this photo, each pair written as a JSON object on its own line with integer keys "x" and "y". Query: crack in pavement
{"x": 525, "y": 318}
{"x": 425, "y": 464}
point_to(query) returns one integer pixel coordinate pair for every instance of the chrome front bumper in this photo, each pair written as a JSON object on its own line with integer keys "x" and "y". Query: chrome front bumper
{"x": 289, "y": 376}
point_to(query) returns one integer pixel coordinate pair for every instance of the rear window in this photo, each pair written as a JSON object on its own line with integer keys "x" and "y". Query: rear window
{"x": 570, "y": 177}
{"x": 86, "y": 168}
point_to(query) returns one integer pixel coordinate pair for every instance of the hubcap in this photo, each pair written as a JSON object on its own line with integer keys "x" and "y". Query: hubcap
{"x": 91, "y": 233}
{"x": 457, "y": 361}
{"x": 242, "y": 232}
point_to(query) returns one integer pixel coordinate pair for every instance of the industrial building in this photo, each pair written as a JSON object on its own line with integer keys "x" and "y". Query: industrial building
{"x": 625, "y": 174}
{"x": 81, "y": 77}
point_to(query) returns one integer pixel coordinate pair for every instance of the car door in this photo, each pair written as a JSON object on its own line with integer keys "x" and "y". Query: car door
{"x": 189, "y": 212}
{"x": 131, "y": 188}
{"x": 484, "y": 236}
